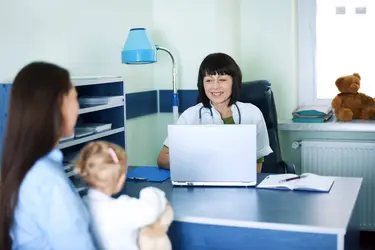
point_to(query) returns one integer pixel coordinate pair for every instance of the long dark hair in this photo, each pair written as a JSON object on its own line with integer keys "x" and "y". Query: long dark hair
{"x": 221, "y": 64}
{"x": 34, "y": 126}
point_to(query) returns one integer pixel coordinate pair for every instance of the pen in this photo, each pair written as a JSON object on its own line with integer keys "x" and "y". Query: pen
{"x": 292, "y": 178}
{"x": 138, "y": 178}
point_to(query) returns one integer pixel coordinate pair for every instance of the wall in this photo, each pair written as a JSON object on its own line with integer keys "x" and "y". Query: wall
{"x": 259, "y": 34}
{"x": 88, "y": 41}
{"x": 268, "y": 45}
{"x": 191, "y": 30}
{"x": 84, "y": 36}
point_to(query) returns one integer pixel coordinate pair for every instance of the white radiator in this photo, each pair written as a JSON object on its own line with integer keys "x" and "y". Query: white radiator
{"x": 346, "y": 159}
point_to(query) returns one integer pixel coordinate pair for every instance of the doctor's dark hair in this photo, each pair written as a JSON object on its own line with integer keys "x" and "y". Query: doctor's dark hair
{"x": 220, "y": 64}
{"x": 34, "y": 126}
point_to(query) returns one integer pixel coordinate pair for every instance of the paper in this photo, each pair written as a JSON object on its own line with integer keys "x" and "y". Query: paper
{"x": 151, "y": 174}
{"x": 307, "y": 181}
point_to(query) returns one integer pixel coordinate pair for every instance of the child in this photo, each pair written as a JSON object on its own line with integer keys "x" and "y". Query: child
{"x": 116, "y": 221}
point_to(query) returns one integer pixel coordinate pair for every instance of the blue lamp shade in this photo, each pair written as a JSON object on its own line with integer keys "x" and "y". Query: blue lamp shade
{"x": 138, "y": 48}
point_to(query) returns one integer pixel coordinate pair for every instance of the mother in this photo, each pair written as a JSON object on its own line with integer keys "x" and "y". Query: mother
{"x": 39, "y": 207}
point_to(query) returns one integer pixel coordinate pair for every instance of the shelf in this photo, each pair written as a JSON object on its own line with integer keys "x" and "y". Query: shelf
{"x": 77, "y": 141}
{"x": 332, "y": 125}
{"x": 84, "y": 81}
{"x": 94, "y": 108}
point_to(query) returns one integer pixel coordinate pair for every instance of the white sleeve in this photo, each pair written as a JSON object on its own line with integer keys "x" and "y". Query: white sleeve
{"x": 263, "y": 144}
{"x": 181, "y": 120}
{"x": 144, "y": 211}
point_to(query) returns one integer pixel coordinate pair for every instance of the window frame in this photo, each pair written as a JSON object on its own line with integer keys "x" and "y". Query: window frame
{"x": 306, "y": 35}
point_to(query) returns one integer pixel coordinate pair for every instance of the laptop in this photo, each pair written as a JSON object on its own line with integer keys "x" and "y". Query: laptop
{"x": 212, "y": 155}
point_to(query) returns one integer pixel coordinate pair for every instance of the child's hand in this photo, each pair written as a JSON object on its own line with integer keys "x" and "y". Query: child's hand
{"x": 155, "y": 197}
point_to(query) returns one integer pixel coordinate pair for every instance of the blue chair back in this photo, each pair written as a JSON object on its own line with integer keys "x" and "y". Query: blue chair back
{"x": 259, "y": 93}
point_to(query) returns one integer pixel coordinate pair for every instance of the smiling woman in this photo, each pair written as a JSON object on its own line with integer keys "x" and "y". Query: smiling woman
{"x": 219, "y": 83}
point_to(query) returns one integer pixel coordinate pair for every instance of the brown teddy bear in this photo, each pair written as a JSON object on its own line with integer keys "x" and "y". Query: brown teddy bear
{"x": 350, "y": 104}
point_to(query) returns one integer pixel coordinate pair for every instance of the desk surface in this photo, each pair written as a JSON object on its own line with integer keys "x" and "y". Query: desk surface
{"x": 259, "y": 208}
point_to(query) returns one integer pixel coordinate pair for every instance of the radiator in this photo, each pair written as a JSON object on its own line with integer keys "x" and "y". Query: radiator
{"x": 346, "y": 159}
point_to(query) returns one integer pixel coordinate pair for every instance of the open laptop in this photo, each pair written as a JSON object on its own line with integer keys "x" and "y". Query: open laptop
{"x": 212, "y": 155}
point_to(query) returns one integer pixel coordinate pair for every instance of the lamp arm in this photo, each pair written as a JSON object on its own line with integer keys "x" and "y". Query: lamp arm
{"x": 175, "y": 98}
{"x": 174, "y": 71}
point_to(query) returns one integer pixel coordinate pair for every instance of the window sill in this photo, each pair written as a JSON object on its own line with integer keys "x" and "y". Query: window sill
{"x": 329, "y": 126}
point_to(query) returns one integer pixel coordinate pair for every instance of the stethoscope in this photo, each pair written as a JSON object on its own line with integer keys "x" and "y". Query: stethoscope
{"x": 212, "y": 114}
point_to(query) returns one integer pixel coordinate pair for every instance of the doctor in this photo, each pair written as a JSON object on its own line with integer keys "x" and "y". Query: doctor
{"x": 219, "y": 83}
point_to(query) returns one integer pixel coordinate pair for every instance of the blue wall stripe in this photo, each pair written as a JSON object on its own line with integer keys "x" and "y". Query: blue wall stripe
{"x": 4, "y": 103}
{"x": 187, "y": 99}
{"x": 137, "y": 104}
{"x": 141, "y": 103}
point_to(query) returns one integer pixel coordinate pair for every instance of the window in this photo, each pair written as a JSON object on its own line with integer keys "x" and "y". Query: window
{"x": 335, "y": 39}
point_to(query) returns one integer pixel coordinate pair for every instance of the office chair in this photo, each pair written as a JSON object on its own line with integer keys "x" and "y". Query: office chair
{"x": 259, "y": 93}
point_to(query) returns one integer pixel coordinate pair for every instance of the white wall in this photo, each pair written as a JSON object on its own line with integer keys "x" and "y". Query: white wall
{"x": 84, "y": 36}
{"x": 268, "y": 45}
{"x": 259, "y": 34}
{"x": 87, "y": 36}
{"x": 191, "y": 30}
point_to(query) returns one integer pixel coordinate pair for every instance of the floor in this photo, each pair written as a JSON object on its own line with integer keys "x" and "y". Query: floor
{"x": 367, "y": 240}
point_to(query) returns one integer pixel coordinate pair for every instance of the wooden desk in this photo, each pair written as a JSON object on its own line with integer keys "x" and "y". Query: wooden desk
{"x": 249, "y": 218}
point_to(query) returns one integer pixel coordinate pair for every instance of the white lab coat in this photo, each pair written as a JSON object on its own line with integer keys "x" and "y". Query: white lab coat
{"x": 116, "y": 222}
{"x": 250, "y": 114}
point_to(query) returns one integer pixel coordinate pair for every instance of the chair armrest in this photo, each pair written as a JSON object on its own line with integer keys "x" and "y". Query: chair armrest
{"x": 288, "y": 168}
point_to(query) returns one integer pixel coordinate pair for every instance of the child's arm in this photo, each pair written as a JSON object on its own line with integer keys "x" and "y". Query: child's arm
{"x": 144, "y": 211}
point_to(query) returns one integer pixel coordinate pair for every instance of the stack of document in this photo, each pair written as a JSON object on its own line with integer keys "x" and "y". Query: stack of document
{"x": 99, "y": 100}
{"x": 86, "y": 129}
{"x": 312, "y": 114}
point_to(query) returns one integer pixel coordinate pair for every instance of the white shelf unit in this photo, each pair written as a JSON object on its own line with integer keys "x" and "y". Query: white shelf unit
{"x": 114, "y": 113}
{"x": 99, "y": 107}
{"x": 73, "y": 142}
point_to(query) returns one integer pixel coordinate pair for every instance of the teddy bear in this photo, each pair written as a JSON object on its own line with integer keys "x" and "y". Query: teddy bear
{"x": 349, "y": 104}
{"x": 154, "y": 236}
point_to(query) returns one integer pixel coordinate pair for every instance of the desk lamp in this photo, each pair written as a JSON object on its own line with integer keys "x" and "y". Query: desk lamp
{"x": 139, "y": 49}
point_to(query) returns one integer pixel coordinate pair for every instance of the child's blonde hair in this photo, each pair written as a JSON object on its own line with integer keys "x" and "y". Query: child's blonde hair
{"x": 98, "y": 166}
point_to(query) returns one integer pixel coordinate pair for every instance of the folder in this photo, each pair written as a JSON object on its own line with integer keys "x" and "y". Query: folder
{"x": 148, "y": 173}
